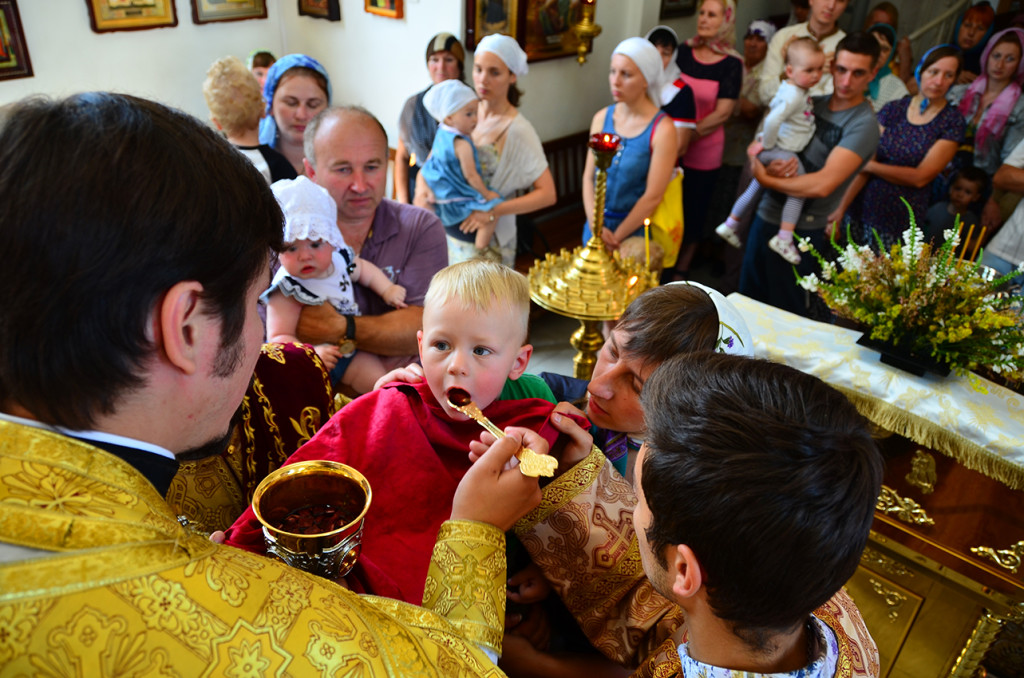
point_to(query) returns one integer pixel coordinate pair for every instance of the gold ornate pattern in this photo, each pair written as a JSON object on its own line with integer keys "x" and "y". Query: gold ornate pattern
{"x": 922, "y": 472}
{"x": 982, "y": 636}
{"x": 176, "y": 604}
{"x": 576, "y": 537}
{"x": 893, "y": 599}
{"x": 466, "y": 580}
{"x": 1006, "y": 558}
{"x": 905, "y": 509}
{"x": 878, "y": 560}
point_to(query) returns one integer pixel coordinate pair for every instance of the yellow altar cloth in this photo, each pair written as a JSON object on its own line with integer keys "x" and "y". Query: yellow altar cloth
{"x": 975, "y": 421}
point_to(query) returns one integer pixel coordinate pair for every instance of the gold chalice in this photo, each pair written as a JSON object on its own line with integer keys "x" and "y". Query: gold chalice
{"x": 312, "y": 515}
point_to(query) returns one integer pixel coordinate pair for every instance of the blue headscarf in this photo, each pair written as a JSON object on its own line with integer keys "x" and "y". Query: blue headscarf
{"x": 972, "y": 56}
{"x": 874, "y": 85}
{"x": 268, "y": 126}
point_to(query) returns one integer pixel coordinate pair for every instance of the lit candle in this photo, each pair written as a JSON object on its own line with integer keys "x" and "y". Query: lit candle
{"x": 981, "y": 238}
{"x": 604, "y": 143}
{"x": 966, "y": 242}
{"x": 647, "y": 242}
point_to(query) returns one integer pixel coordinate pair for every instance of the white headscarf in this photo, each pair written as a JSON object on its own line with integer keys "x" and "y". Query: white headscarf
{"x": 733, "y": 335}
{"x": 309, "y": 212}
{"x": 671, "y": 72}
{"x": 447, "y": 97}
{"x": 506, "y": 49}
{"x": 648, "y": 60}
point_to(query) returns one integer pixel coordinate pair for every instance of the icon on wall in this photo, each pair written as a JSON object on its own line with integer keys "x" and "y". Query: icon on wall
{"x": 14, "y": 61}
{"x": 208, "y": 11}
{"x": 320, "y": 9}
{"x": 389, "y": 8}
{"x": 130, "y": 15}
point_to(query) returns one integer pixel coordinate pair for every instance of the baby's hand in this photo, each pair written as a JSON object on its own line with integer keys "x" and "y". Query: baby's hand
{"x": 395, "y": 296}
{"x": 491, "y": 195}
{"x": 755, "y": 148}
{"x": 329, "y": 353}
{"x": 528, "y": 585}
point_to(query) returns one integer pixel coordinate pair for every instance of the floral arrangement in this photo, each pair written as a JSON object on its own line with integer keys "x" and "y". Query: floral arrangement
{"x": 921, "y": 299}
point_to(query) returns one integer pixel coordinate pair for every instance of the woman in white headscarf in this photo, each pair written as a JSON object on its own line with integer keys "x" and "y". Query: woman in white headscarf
{"x": 510, "y": 152}
{"x": 643, "y": 164}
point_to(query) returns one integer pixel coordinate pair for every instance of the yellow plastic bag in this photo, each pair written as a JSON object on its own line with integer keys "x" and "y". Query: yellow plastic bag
{"x": 667, "y": 219}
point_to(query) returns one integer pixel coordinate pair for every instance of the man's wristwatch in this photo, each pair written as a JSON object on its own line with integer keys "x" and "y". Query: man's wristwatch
{"x": 348, "y": 344}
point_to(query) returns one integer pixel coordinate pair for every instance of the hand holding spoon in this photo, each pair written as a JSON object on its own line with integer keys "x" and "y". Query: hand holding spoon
{"x": 530, "y": 463}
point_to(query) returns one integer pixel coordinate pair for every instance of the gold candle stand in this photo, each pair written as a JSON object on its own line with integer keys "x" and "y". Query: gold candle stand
{"x": 589, "y": 283}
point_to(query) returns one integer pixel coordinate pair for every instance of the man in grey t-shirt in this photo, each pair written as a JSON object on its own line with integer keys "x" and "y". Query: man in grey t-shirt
{"x": 845, "y": 138}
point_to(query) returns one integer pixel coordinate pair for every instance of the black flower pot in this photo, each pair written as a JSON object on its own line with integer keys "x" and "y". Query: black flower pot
{"x": 900, "y": 358}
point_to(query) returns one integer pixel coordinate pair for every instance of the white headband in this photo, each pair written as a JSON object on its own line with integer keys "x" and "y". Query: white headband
{"x": 447, "y": 97}
{"x": 733, "y": 335}
{"x": 648, "y": 60}
{"x": 506, "y": 49}
{"x": 309, "y": 212}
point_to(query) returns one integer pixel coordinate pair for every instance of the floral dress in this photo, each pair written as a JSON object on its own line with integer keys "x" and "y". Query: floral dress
{"x": 905, "y": 144}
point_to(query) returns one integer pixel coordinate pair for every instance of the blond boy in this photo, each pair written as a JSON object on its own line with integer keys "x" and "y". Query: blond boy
{"x": 409, "y": 443}
{"x": 236, "y": 105}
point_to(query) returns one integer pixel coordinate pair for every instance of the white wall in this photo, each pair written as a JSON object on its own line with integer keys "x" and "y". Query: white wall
{"x": 373, "y": 61}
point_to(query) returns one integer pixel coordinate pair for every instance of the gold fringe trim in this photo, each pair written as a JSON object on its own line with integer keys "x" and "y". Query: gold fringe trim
{"x": 924, "y": 432}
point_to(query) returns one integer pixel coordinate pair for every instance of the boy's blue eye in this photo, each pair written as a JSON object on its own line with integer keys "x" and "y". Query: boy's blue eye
{"x": 441, "y": 345}
{"x": 480, "y": 350}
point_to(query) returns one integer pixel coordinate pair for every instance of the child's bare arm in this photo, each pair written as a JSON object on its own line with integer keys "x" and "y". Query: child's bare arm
{"x": 369, "y": 275}
{"x": 464, "y": 152}
{"x": 282, "y": 318}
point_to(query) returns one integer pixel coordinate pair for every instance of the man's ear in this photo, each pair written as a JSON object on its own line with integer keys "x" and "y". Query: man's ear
{"x": 522, "y": 360}
{"x": 310, "y": 172}
{"x": 684, "y": 571}
{"x": 181, "y": 325}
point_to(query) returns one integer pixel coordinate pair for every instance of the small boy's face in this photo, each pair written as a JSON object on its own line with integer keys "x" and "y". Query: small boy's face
{"x": 306, "y": 258}
{"x": 963, "y": 192}
{"x": 470, "y": 349}
{"x": 261, "y": 74}
{"x": 805, "y": 67}
{"x": 464, "y": 119}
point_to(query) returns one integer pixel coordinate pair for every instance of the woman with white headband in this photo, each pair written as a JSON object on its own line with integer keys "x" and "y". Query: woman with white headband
{"x": 642, "y": 167}
{"x": 510, "y": 152}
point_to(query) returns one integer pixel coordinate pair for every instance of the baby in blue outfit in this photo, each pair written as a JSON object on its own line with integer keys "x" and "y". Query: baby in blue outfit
{"x": 452, "y": 170}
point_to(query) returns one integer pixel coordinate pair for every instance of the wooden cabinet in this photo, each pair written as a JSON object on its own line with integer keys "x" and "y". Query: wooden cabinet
{"x": 933, "y": 606}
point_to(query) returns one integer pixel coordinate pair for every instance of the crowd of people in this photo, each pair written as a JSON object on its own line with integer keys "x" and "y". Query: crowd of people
{"x": 661, "y": 546}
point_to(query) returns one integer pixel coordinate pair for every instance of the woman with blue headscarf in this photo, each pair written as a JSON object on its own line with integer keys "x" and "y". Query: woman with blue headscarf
{"x": 297, "y": 88}
{"x": 920, "y": 136}
{"x": 886, "y": 85}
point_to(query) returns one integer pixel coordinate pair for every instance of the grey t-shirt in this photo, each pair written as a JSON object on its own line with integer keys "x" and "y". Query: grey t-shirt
{"x": 1008, "y": 242}
{"x": 855, "y": 129}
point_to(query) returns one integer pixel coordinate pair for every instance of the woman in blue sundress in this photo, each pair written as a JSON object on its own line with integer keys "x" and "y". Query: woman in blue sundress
{"x": 642, "y": 167}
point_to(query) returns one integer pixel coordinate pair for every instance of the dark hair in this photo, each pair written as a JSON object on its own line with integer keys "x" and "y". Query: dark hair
{"x": 514, "y": 94}
{"x": 106, "y": 202}
{"x": 942, "y": 52}
{"x": 768, "y": 474}
{"x": 974, "y": 175}
{"x": 669, "y": 320}
{"x": 262, "y": 60}
{"x": 1011, "y": 38}
{"x": 860, "y": 42}
{"x": 889, "y": 9}
{"x": 661, "y": 37}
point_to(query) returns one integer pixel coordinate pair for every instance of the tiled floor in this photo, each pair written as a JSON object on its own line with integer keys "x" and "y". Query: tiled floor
{"x": 549, "y": 334}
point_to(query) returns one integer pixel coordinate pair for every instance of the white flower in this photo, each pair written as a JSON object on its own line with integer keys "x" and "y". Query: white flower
{"x": 803, "y": 245}
{"x": 828, "y": 270}
{"x": 810, "y": 282}
{"x": 951, "y": 234}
